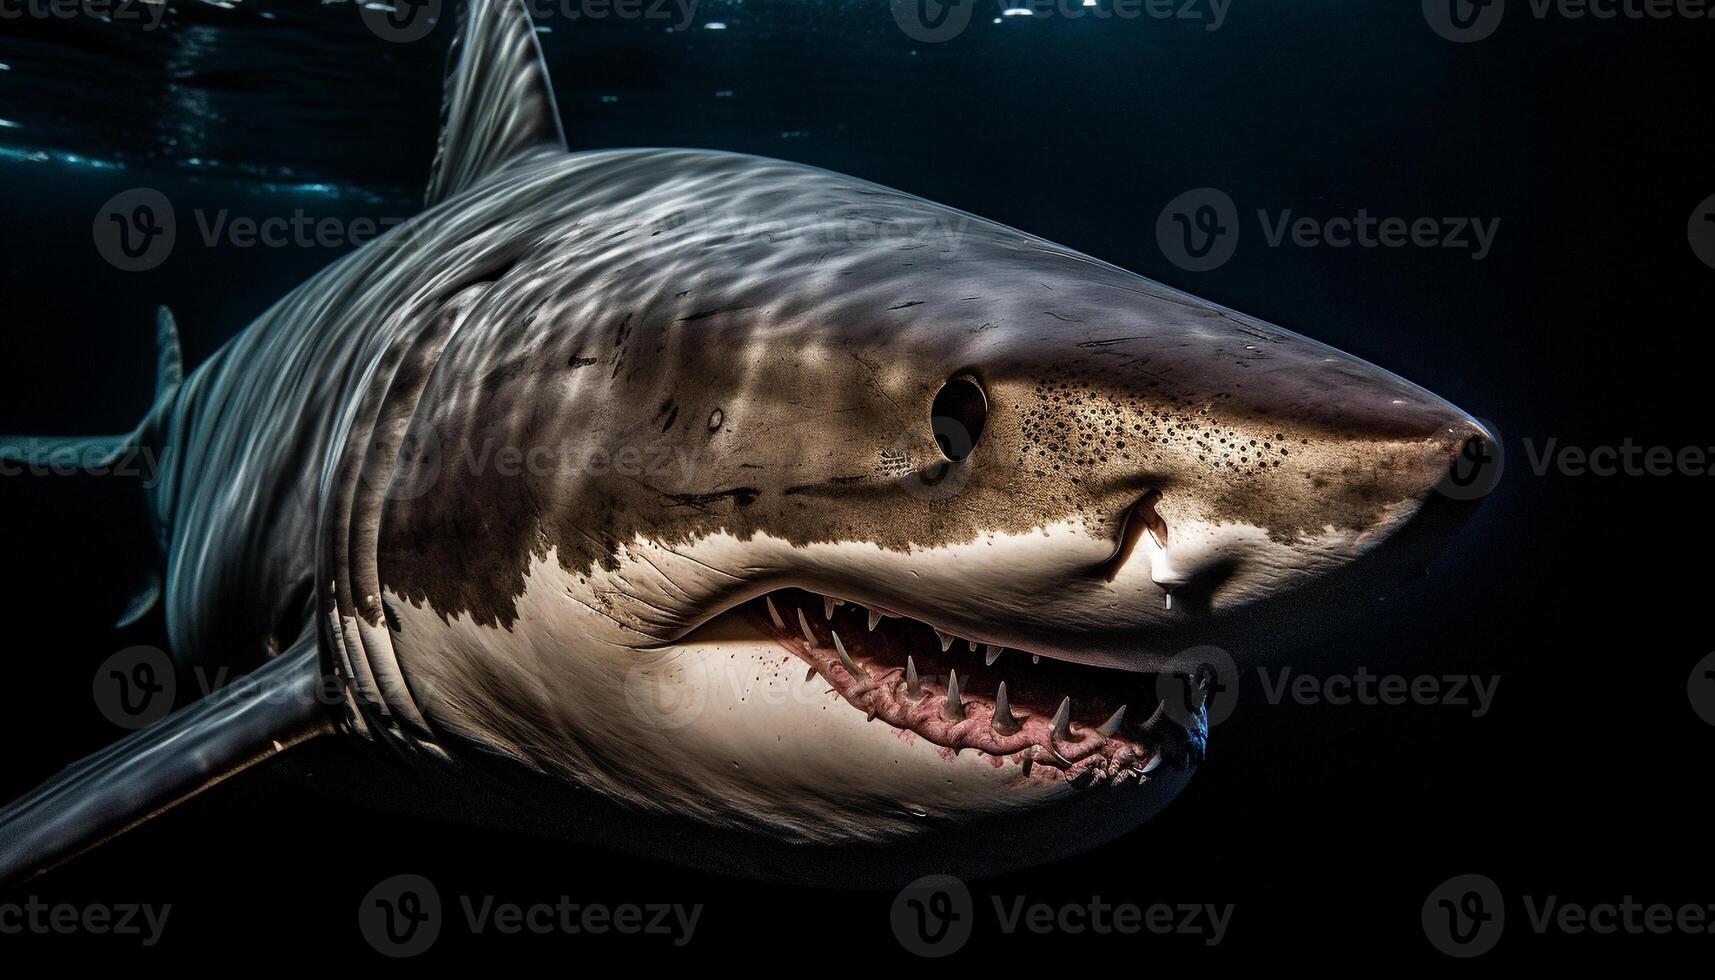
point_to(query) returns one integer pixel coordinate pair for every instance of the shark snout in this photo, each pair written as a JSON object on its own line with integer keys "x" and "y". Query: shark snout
{"x": 1248, "y": 513}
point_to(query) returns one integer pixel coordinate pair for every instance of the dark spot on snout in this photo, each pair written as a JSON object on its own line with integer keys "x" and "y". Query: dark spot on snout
{"x": 579, "y": 362}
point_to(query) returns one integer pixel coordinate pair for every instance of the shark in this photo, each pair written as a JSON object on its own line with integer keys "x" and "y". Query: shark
{"x": 736, "y": 513}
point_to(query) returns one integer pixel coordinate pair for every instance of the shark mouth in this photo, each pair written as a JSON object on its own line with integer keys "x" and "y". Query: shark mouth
{"x": 1055, "y": 719}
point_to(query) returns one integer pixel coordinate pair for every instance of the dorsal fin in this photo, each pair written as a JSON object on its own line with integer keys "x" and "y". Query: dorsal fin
{"x": 169, "y": 358}
{"x": 498, "y": 103}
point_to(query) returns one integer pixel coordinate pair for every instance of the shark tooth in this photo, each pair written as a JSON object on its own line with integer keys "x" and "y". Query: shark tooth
{"x": 1036, "y": 658}
{"x": 874, "y": 620}
{"x": 954, "y": 709}
{"x": 946, "y": 640}
{"x": 913, "y": 686}
{"x": 991, "y": 653}
{"x": 1149, "y": 767}
{"x": 1003, "y": 720}
{"x": 774, "y": 614}
{"x": 1111, "y": 727}
{"x": 810, "y": 674}
{"x": 827, "y": 607}
{"x": 804, "y": 625}
{"x": 973, "y": 645}
{"x": 1061, "y": 726}
{"x": 1155, "y": 718}
{"x": 846, "y": 660}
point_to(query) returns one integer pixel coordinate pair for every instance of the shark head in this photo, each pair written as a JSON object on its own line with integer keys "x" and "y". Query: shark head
{"x": 841, "y": 515}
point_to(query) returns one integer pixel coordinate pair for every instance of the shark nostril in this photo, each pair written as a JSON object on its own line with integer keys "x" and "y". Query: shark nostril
{"x": 1139, "y": 519}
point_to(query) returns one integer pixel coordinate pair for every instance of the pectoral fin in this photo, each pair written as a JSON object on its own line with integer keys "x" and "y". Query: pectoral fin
{"x": 257, "y": 717}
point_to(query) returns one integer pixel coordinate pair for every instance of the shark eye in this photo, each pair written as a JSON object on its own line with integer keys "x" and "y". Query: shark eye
{"x": 957, "y": 417}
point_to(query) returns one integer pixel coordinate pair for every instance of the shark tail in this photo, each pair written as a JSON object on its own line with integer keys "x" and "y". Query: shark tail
{"x": 135, "y": 453}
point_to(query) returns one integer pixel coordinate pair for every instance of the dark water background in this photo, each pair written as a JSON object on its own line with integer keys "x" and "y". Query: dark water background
{"x": 1326, "y": 826}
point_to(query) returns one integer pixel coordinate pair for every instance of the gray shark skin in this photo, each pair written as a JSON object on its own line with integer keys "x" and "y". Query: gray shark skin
{"x": 683, "y": 487}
